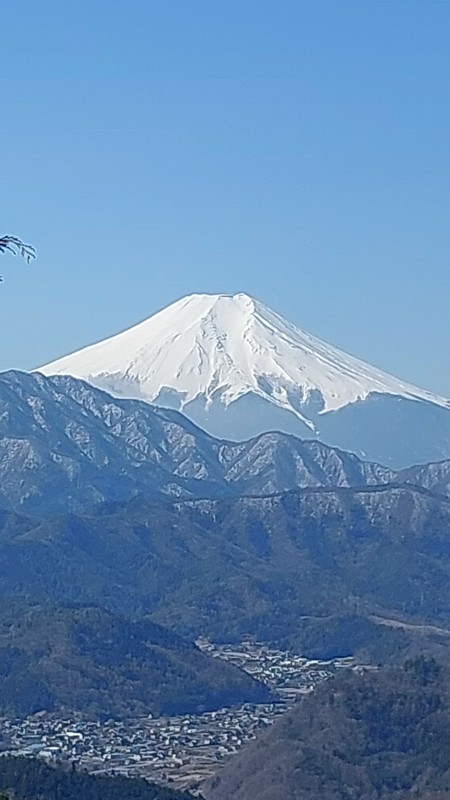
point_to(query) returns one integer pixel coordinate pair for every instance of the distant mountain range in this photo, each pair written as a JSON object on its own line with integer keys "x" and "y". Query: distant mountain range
{"x": 66, "y": 446}
{"x": 238, "y": 369}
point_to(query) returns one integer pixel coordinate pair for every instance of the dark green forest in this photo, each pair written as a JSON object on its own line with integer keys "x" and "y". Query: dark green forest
{"x": 102, "y": 664}
{"x": 31, "y": 779}
{"x": 231, "y": 567}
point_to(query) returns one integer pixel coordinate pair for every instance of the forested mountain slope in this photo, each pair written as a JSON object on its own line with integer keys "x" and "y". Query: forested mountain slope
{"x": 30, "y": 779}
{"x": 376, "y": 736}
{"x": 232, "y": 566}
{"x": 91, "y": 661}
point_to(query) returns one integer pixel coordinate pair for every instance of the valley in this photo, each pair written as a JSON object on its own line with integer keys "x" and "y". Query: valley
{"x": 179, "y": 751}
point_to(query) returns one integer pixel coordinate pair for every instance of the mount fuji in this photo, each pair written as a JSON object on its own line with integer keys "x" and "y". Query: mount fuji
{"x": 237, "y": 369}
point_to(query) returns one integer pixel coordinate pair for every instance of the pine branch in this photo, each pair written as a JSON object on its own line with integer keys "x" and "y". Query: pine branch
{"x": 17, "y": 247}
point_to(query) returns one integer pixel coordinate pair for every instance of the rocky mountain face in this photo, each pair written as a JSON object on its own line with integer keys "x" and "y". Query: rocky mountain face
{"x": 65, "y": 445}
{"x": 434, "y": 476}
{"x": 237, "y": 369}
{"x": 277, "y": 462}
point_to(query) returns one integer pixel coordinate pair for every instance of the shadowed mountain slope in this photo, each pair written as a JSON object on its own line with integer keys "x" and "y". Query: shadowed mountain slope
{"x": 232, "y": 566}
{"x": 376, "y": 736}
{"x": 32, "y": 779}
{"x": 101, "y": 664}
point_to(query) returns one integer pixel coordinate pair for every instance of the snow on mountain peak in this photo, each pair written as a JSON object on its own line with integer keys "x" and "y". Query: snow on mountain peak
{"x": 222, "y": 347}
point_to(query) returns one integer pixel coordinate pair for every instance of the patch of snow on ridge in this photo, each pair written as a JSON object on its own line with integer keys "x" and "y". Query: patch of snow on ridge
{"x": 222, "y": 347}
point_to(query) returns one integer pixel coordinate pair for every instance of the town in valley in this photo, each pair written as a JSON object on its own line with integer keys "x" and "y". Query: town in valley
{"x": 181, "y": 751}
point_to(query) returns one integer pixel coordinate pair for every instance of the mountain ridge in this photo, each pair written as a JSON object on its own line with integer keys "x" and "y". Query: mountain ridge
{"x": 235, "y": 566}
{"x": 65, "y": 444}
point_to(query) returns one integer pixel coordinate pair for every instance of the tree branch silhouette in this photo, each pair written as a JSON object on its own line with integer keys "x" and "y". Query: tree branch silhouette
{"x": 16, "y": 246}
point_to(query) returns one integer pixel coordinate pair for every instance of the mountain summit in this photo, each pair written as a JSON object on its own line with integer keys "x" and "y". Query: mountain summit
{"x": 237, "y": 368}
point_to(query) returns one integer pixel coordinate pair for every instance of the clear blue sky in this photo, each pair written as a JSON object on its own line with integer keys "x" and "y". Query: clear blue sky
{"x": 298, "y": 151}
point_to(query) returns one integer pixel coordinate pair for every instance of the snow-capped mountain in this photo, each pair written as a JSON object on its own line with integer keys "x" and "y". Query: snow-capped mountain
{"x": 237, "y": 368}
